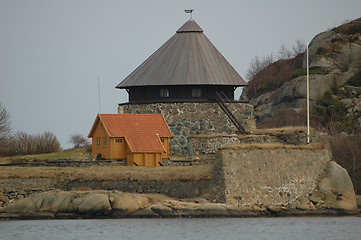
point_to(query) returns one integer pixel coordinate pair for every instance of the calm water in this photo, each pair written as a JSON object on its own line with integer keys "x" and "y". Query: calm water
{"x": 215, "y": 228}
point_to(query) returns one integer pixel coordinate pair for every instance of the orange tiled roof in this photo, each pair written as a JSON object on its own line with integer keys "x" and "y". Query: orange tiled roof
{"x": 140, "y": 130}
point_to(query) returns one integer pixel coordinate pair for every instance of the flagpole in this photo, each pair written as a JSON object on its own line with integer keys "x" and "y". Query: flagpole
{"x": 99, "y": 94}
{"x": 308, "y": 100}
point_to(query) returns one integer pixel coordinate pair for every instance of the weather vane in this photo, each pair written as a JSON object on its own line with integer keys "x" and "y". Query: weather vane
{"x": 189, "y": 11}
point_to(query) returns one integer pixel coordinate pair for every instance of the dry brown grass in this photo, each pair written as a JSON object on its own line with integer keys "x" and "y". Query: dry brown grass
{"x": 287, "y": 129}
{"x": 270, "y": 146}
{"x": 213, "y": 135}
{"x": 109, "y": 173}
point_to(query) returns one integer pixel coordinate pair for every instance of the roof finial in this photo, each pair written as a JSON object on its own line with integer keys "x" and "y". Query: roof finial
{"x": 189, "y": 11}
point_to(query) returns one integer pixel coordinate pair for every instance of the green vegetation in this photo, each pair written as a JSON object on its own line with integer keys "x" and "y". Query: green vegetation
{"x": 302, "y": 71}
{"x": 353, "y": 27}
{"x": 355, "y": 80}
{"x": 334, "y": 114}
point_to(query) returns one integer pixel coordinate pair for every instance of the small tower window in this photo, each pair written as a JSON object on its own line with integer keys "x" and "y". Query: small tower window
{"x": 164, "y": 93}
{"x": 196, "y": 92}
{"x": 162, "y": 140}
{"x": 118, "y": 140}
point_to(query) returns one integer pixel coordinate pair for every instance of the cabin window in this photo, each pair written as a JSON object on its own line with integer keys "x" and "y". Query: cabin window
{"x": 196, "y": 92}
{"x": 162, "y": 140}
{"x": 164, "y": 93}
{"x": 118, "y": 140}
{"x": 105, "y": 141}
{"x": 98, "y": 141}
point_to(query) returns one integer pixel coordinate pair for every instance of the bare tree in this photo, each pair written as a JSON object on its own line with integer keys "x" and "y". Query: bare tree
{"x": 78, "y": 140}
{"x": 284, "y": 52}
{"x": 5, "y": 122}
{"x": 299, "y": 47}
{"x": 24, "y": 143}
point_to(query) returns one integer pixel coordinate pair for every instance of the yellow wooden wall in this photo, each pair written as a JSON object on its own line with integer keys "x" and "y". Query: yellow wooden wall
{"x": 166, "y": 147}
{"x": 144, "y": 159}
{"x": 121, "y": 150}
{"x": 101, "y": 133}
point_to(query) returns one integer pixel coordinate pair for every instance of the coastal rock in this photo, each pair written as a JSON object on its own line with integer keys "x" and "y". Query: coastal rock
{"x": 303, "y": 203}
{"x": 358, "y": 201}
{"x": 92, "y": 203}
{"x": 335, "y": 189}
{"x": 187, "y": 209}
{"x": 164, "y": 211}
{"x": 128, "y": 201}
{"x": 60, "y": 201}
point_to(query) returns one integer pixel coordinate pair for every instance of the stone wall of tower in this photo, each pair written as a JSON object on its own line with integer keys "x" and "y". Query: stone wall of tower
{"x": 189, "y": 119}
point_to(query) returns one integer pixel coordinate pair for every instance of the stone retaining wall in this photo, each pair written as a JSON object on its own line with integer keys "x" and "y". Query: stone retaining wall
{"x": 268, "y": 176}
{"x": 187, "y": 119}
{"x": 258, "y": 176}
{"x": 209, "y": 144}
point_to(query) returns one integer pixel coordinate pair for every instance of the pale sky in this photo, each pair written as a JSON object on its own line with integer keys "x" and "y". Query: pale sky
{"x": 53, "y": 51}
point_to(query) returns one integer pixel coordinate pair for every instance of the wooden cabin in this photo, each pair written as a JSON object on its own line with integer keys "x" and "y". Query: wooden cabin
{"x": 137, "y": 139}
{"x": 186, "y": 68}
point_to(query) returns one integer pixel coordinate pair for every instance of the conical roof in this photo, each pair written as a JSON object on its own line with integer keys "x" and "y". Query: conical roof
{"x": 187, "y": 58}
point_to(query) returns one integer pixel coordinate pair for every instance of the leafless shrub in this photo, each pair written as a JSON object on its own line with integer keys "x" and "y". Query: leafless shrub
{"x": 24, "y": 143}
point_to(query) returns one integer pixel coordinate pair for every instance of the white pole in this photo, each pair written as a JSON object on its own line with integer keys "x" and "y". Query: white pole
{"x": 308, "y": 101}
{"x": 99, "y": 93}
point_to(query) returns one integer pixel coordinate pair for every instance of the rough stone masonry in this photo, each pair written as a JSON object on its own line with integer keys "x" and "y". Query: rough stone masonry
{"x": 188, "y": 119}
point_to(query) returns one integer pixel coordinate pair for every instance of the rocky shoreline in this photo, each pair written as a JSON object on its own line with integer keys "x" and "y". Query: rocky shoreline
{"x": 114, "y": 204}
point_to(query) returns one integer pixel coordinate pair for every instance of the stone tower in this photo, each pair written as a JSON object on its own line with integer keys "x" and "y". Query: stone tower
{"x": 188, "y": 81}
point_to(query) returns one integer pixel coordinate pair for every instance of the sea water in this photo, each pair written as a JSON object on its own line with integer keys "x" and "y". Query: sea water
{"x": 196, "y": 228}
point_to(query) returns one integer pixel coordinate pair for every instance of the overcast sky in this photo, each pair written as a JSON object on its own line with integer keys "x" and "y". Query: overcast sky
{"x": 53, "y": 51}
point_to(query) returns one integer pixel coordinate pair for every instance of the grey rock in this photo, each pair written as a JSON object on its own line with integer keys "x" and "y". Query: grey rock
{"x": 320, "y": 40}
{"x": 335, "y": 188}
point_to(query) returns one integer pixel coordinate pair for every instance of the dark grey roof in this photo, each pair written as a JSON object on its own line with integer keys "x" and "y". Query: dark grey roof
{"x": 187, "y": 58}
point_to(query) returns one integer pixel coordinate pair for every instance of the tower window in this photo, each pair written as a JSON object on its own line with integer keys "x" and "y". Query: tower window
{"x": 164, "y": 93}
{"x": 196, "y": 92}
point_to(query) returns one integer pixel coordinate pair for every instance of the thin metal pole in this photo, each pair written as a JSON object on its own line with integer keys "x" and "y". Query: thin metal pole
{"x": 99, "y": 94}
{"x": 308, "y": 100}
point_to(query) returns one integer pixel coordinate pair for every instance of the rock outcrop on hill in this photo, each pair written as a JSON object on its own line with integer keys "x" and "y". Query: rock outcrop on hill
{"x": 334, "y": 57}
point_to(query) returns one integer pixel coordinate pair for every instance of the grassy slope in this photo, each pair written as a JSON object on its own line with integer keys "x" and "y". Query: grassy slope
{"x": 96, "y": 172}
{"x": 72, "y": 153}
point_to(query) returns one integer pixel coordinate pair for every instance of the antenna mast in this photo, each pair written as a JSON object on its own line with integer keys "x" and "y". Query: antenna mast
{"x": 99, "y": 93}
{"x": 308, "y": 99}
